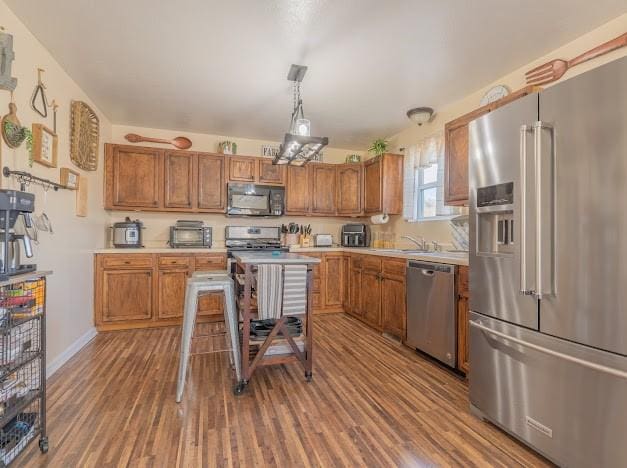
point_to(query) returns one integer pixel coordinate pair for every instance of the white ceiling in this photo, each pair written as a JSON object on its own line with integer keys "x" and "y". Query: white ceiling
{"x": 220, "y": 67}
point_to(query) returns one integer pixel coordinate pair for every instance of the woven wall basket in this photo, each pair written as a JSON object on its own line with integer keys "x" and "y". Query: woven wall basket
{"x": 84, "y": 136}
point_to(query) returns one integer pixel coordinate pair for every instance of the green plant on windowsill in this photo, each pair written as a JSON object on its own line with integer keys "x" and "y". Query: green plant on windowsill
{"x": 379, "y": 146}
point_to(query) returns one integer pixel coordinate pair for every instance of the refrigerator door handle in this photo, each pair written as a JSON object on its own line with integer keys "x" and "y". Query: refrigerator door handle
{"x": 557, "y": 354}
{"x": 524, "y": 289}
{"x": 537, "y": 140}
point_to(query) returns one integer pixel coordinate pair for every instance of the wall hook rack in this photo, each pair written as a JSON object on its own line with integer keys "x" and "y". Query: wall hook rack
{"x": 26, "y": 178}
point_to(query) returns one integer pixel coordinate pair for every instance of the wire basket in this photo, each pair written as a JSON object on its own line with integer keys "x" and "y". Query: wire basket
{"x": 17, "y": 432}
{"x": 21, "y": 309}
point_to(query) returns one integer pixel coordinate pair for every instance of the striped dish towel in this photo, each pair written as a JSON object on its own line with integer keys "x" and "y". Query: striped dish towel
{"x": 294, "y": 289}
{"x": 269, "y": 291}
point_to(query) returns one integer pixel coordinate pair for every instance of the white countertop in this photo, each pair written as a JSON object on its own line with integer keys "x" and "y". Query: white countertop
{"x": 281, "y": 258}
{"x": 451, "y": 258}
{"x": 160, "y": 250}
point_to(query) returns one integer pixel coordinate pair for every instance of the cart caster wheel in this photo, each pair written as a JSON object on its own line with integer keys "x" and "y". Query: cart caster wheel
{"x": 239, "y": 389}
{"x": 43, "y": 444}
{"x": 309, "y": 376}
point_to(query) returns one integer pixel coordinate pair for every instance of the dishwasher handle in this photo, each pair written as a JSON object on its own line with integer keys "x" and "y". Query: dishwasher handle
{"x": 427, "y": 272}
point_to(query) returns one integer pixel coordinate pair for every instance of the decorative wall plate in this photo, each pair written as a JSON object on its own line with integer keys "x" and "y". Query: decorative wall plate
{"x": 84, "y": 136}
{"x": 494, "y": 94}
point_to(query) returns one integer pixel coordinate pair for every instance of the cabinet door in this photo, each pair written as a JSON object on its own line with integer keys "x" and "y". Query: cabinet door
{"x": 371, "y": 297}
{"x": 270, "y": 174}
{"x": 346, "y": 269}
{"x": 463, "y": 361}
{"x": 179, "y": 179}
{"x": 373, "y": 196}
{"x": 126, "y": 295}
{"x": 211, "y": 305}
{"x": 393, "y": 315}
{"x": 242, "y": 169}
{"x": 456, "y": 164}
{"x": 354, "y": 288}
{"x": 349, "y": 189}
{"x": 211, "y": 188}
{"x": 171, "y": 297}
{"x": 297, "y": 191}
{"x": 323, "y": 189}
{"x": 133, "y": 177}
{"x": 333, "y": 280}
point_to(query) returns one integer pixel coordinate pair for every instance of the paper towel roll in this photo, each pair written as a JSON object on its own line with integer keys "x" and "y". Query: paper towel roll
{"x": 379, "y": 219}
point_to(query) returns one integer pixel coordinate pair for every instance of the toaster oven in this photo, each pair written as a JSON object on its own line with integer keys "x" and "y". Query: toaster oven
{"x": 190, "y": 234}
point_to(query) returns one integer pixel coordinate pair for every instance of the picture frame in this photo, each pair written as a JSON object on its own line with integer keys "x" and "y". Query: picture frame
{"x": 69, "y": 178}
{"x": 45, "y": 146}
{"x": 269, "y": 151}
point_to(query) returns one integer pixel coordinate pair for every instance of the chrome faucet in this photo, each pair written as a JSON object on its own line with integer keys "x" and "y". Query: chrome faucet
{"x": 421, "y": 244}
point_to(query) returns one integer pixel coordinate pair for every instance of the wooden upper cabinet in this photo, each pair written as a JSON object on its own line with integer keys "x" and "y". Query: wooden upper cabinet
{"x": 133, "y": 177}
{"x": 297, "y": 190}
{"x": 456, "y": 148}
{"x": 349, "y": 189}
{"x": 242, "y": 169}
{"x": 179, "y": 179}
{"x": 211, "y": 184}
{"x": 270, "y": 174}
{"x": 383, "y": 184}
{"x": 323, "y": 189}
{"x": 456, "y": 163}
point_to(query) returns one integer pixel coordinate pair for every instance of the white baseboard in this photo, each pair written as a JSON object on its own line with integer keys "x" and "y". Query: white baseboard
{"x": 74, "y": 348}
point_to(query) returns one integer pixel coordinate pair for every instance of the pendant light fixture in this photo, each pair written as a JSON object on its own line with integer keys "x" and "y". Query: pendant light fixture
{"x": 299, "y": 147}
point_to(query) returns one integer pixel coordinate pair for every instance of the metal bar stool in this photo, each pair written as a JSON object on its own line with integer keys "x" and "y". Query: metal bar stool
{"x": 199, "y": 283}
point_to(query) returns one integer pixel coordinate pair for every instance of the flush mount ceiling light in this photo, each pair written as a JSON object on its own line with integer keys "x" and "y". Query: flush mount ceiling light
{"x": 420, "y": 115}
{"x": 299, "y": 147}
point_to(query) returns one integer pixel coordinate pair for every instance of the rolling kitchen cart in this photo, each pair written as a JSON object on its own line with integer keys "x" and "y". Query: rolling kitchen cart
{"x": 22, "y": 364}
{"x": 279, "y": 346}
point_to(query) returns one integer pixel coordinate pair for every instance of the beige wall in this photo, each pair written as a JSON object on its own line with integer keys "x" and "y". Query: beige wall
{"x": 515, "y": 80}
{"x": 68, "y": 252}
{"x": 157, "y": 224}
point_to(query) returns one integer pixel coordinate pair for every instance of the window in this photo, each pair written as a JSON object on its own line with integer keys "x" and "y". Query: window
{"x": 423, "y": 192}
{"x": 426, "y": 191}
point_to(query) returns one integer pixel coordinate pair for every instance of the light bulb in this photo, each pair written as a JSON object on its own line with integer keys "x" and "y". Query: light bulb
{"x": 302, "y": 127}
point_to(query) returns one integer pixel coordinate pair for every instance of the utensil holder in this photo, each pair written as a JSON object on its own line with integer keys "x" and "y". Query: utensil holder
{"x": 305, "y": 241}
{"x": 292, "y": 239}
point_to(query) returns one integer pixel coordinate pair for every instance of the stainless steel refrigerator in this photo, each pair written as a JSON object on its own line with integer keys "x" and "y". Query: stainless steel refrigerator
{"x": 548, "y": 268}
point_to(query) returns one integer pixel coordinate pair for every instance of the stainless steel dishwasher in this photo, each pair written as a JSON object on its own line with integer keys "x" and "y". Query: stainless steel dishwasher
{"x": 431, "y": 317}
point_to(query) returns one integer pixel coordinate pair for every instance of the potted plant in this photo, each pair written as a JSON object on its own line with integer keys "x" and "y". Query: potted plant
{"x": 379, "y": 146}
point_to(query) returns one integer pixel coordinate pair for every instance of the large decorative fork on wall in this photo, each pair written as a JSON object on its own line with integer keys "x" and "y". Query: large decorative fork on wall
{"x": 555, "y": 69}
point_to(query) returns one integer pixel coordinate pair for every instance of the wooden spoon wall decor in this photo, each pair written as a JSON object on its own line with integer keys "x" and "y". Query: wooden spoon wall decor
{"x": 179, "y": 142}
{"x": 555, "y": 69}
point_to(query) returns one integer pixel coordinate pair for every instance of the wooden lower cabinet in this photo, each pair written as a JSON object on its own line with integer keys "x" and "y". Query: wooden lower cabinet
{"x": 393, "y": 309}
{"x": 126, "y": 295}
{"x": 148, "y": 290}
{"x": 463, "y": 341}
{"x": 371, "y": 297}
{"x": 171, "y": 293}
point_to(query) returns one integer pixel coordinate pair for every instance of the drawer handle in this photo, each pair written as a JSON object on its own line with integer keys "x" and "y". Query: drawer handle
{"x": 127, "y": 262}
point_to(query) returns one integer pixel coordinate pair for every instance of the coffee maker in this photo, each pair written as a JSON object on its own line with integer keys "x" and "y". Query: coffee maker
{"x": 14, "y": 204}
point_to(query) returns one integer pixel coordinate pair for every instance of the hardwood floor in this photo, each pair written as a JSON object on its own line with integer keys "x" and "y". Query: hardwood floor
{"x": 371, "y": 403}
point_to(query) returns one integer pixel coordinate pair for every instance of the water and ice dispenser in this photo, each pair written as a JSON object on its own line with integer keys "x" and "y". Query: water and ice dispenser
{"x": 495, "y": 219}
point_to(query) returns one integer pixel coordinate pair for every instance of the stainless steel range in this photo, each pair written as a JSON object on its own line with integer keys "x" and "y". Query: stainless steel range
{"x": 238, "y": 238}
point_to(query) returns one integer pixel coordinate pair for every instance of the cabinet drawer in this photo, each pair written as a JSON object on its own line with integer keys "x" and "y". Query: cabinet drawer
{"x": 394, "y": 267}
{"x": 127, "y": 261}
{"x": 370, "y": 262}
{"x": 210, "y": 262}
{"x": 174, "y": 261}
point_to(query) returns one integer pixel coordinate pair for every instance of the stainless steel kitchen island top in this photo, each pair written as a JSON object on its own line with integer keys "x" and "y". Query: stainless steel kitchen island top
{"x": 279, "y": 258}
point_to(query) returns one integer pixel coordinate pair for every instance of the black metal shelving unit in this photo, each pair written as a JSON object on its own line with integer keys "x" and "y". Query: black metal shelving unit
{"x": 22, "y": 365}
